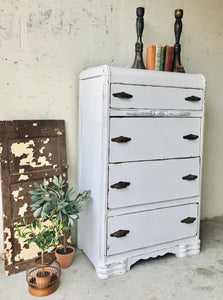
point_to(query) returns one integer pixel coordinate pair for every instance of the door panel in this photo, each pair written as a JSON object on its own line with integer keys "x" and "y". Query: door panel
{"x": 31, "y": 151}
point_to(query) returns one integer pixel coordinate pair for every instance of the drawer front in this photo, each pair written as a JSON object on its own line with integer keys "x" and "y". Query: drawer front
{"x": 152, "y": 181}
{"x": 134, "y": 139}
{"x": 133, "y": 96}
{"x": 149, "y": 228}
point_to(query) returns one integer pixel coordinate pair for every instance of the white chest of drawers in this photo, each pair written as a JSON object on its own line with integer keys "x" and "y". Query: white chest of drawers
{"x": 140, "y": 153}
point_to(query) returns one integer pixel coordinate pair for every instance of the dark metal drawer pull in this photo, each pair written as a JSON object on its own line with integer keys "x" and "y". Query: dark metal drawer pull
{"x": 191, "y": 137}
{"x": 122, "y": 95}
{"x": 121, "y": 139}
{"x": 120, "y": 185}
{"x": 119, "y": 233}
{"x": 189, "y": 177}
{"x": 188, "y": 220}
{"x": 193, "y": 98}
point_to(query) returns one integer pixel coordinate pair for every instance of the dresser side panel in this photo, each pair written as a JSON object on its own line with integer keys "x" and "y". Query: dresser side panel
{"x": 92, "y": 165}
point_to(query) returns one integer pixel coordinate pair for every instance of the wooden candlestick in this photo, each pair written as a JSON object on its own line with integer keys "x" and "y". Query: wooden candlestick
{"x": 177, "y": 66}
{"x": 138, "y": 62}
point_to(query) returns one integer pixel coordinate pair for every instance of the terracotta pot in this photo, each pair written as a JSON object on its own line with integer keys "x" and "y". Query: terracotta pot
{"x": 43, "y": 282}
{"x": 65, "y": 259}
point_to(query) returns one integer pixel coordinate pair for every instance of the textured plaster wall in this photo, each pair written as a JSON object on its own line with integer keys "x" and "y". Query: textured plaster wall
{"x": 44, "y": 45}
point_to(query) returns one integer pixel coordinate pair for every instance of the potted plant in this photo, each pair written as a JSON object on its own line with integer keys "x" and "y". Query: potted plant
{"x": 56, "y": 201}
{"x": 44, "y": 237}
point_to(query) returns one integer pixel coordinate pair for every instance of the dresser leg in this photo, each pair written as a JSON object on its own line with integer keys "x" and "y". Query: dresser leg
{"x": 188, "y": 249}
{"x": 109, "y": 270}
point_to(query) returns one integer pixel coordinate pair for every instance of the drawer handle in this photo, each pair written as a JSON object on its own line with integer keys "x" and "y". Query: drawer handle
{"x": 119, "y": 233}
{"x": 191, "y": 137}
{"x": 121, "y": 139}
{"x": 120, "y": 185}
{"x": 122, "y": 95}
{"x": 188, "y": 220}
{"x": 193, "y": 98}
{"x": 189, "y": 177}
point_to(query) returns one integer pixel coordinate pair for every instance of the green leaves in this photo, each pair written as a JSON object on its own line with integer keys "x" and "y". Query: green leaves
{"x": 55, "y": 201}
{"x": 37, "y": 212}
{"x": 39, "y": 233}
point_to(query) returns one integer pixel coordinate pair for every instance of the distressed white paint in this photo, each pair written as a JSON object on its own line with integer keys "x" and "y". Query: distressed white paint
{"x": 153, "y": 161}
{"x": 22, "y": 210}
{"x": 41, "y": 150}
{"x": 18, "y": 149}
{"x": 15, "y": 194}
{"x": 42, "y": 161}
{"x": 8, "y": 246}
{"x": 23, "y": 177}
{"x": 46, "y": 141}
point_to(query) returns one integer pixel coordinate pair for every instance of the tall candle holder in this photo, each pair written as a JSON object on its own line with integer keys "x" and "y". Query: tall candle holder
{"x": 177, "y": 66}
{"x": 138, "y": 62}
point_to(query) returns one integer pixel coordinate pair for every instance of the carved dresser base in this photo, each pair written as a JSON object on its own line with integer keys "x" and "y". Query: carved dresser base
{"x": 124, "y": 266}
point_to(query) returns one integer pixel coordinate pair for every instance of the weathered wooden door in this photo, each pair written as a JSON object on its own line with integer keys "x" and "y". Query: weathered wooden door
{"x": 29, "y": 152}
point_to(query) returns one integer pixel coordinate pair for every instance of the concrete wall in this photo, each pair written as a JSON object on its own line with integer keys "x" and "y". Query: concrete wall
{"x": 46, "y": 43}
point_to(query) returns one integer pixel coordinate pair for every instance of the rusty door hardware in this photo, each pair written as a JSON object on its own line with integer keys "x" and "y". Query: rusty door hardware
{"x": 193, "y": 98}
{"x": 121, "y": 139}
{"x": 120, "y": 185}
{"x": 120, "y": 233}
{"x": 188, "y": 220}
{"x": 189, "y": 177}
{"x": 122, "y": 95}
{"x": 191, "y": 137}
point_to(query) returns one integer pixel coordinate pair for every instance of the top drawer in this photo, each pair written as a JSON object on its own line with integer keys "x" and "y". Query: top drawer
{"x": 136, "y": 96}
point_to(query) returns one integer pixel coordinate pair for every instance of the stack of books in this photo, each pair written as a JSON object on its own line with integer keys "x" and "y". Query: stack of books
{"x": 159, "y": 58}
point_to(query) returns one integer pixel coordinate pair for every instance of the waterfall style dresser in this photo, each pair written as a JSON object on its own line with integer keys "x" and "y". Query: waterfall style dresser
{"x": 140, "y": 154}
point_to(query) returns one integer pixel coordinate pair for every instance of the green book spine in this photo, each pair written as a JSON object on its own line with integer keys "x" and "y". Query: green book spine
{"x": 162, "y": 58}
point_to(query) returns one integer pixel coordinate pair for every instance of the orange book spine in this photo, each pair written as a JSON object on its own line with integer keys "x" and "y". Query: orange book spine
{"x": 150, "y": 57}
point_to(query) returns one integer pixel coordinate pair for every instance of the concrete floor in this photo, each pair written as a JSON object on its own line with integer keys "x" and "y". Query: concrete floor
{"x": 163, "y": 278}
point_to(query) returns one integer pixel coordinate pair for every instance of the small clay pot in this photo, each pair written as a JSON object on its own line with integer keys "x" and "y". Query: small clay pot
{"x": 43, "y": 277}
{"x": 65, "y": 259}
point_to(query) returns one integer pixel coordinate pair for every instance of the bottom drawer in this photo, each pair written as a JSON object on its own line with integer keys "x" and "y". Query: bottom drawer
{"x": 148, "y": 228}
